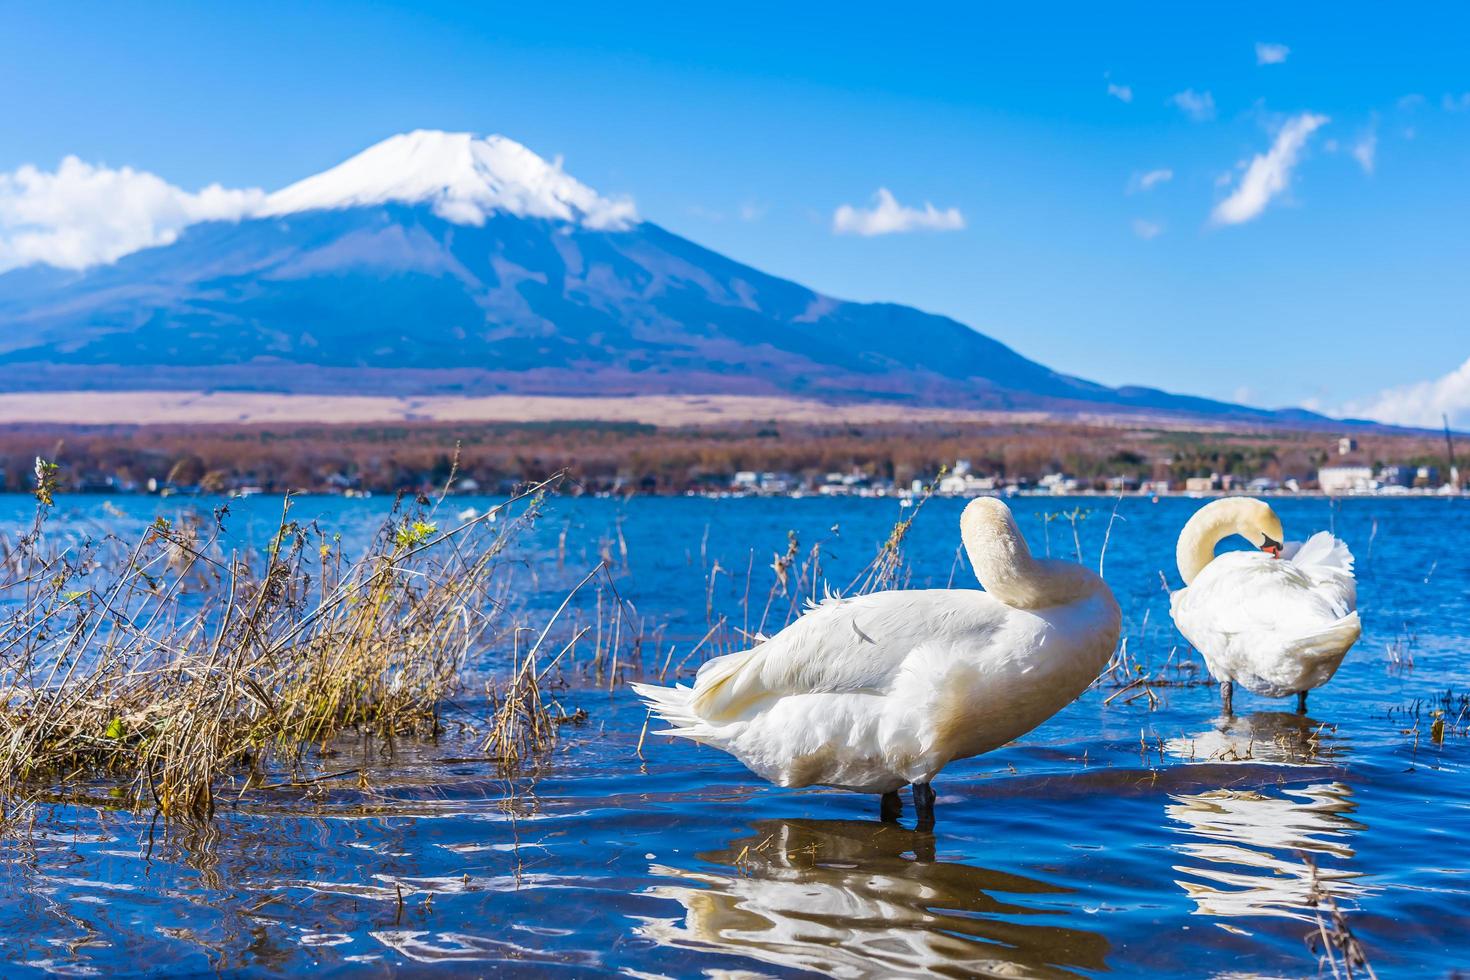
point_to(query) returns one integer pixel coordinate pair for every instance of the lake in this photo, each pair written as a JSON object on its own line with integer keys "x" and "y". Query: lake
{"x": 1136, "y": 832}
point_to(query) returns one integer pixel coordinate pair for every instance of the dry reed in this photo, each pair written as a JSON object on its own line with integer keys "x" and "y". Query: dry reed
{"x": 178, "y": 668}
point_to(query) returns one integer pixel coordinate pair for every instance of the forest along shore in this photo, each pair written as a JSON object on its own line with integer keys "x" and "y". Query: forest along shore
{"x": 849, "y": 456}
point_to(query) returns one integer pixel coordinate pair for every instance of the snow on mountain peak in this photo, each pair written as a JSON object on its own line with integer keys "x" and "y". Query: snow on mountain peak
{"x": 465, "y": 178}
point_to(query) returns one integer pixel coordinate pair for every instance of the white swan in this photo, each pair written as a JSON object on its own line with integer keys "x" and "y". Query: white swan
{"x": 875, "y": 691}
{"x": 1277, "y": 621}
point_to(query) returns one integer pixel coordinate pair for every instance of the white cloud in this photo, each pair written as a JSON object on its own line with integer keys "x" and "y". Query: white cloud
{"x": 753, "y": 211}
{"x": 1199, "y": 106}
{"x": 1271, "y": 54}
{"x": 1424, "y": 403}
{"x": 81, "y": 214}
{"x": 1457, "y": 103}
{"x": 1149, "y": 179}
{"x": 1269, "y": 173}
{"x": 1147, "y": 229}
{"x": 887, "y": 217}
{"x": 1365, "y": 151}
{"x": 1123, "y": 93}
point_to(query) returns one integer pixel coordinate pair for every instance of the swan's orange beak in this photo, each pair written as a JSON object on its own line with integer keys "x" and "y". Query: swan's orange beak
{"x": 1272, "y": 546}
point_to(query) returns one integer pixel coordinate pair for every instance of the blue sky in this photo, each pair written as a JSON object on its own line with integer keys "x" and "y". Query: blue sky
{"x": 1342, "y": 274}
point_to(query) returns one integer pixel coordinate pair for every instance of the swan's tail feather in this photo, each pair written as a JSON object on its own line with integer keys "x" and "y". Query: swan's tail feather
{"x": 1324, "y": 551}
{"x": 709, "y": 697}
{"x": 675, "y": 706}
{"x": 1329, "y": 643}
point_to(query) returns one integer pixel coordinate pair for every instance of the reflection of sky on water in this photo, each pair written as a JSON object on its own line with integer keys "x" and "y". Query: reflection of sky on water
{"x": 852, "y": 898}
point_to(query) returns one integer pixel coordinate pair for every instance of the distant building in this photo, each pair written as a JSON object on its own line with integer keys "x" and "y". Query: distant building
{"x": 1396, "y": 476}
{"x": 1057, "y": 483}
{"x": 1345, "y": 479}
{"x": 1202, "y": 484}
{"x": 1428, "y": 476}
{"x": 1346, "y": 446}
{"x": 962, "y": 481}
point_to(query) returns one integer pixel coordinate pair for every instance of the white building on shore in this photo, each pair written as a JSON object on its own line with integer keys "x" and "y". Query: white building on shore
{"x": 1346, "y": 479}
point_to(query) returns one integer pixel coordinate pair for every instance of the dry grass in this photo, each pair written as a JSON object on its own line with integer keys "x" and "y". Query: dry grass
{"x": 178, "y": 668}
{"x": 1337, "y": 948}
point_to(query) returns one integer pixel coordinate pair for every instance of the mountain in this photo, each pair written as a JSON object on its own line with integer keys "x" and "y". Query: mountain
{"x": 439, "y": 263}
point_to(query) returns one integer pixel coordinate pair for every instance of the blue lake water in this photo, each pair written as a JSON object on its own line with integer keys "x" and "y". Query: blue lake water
{"x": 1123, "y": 837}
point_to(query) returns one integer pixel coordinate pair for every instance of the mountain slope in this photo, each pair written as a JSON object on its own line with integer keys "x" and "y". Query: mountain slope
{"x": 438, "y": 263}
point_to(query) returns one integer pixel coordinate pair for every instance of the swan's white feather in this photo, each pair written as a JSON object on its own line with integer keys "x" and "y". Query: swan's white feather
{"x": 1321, "y": 550}
{"x": 1275, "y": 626}
{"x": 875, "y": 691}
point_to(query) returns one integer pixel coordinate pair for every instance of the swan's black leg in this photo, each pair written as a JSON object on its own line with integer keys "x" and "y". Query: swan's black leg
{"x": 1227, "y": 697}
{"x": 890, "y": 807}
{"x": 924, "y": 797}
{"x": 1301, "y": 702}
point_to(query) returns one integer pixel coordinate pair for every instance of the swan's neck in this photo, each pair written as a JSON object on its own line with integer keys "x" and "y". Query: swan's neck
{"x": 1197, "y": 541}
{"x": 1006, "y": 569}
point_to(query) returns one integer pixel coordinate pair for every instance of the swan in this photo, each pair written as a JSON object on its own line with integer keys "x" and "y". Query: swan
{"x": 873, "y": 692}
{"x": 1279, "y": 620}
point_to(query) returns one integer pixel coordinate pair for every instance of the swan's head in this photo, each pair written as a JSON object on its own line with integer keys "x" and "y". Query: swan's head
{"x": 1004, "y": 565}
{"x": 987, "y": 520}
{"x": 1252, "y": 519}
{"x": 996, "y": 548}
{"x": 1258, "y": 524}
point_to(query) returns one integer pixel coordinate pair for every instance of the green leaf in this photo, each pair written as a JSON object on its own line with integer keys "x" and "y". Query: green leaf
{"x": 114, "y": 728}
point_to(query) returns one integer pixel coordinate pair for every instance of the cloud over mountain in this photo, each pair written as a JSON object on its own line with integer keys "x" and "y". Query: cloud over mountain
{"x": 82, "y": 214}
{"x": 887, "y": 217}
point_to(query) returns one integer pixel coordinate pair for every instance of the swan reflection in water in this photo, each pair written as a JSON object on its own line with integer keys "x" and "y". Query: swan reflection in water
{"x": 1276, "y": 738}
{"x": 858, "y": 898}
{"x": 1246, "y": 844}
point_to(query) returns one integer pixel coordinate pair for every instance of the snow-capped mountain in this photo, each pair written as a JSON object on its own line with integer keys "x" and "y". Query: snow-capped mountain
{"x": 462, "y": 178}
{"x": 445, "y": 263}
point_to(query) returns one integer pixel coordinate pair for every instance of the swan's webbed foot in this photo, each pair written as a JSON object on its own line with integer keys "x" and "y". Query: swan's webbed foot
{"x": 924, "y": 797}
{"x": 1227, "y": 697}
{"x": 1301, "y": 702}
{"x": 890, "y": 807}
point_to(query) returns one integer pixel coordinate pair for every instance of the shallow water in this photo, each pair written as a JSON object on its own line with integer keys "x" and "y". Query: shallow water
{"x": 1118, "y": 838}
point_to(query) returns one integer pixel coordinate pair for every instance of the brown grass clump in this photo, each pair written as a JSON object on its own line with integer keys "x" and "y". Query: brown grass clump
{"x": 522, "y": 724}
{"x": 174, "y": 666}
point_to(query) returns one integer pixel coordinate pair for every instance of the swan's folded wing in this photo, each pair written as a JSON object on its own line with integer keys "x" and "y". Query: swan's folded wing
{"x": 1323, "y": 551}
{"x": 1327, "y": 561}
{"x": 1241, "y": 593}
{"x": 857, "y": 644}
